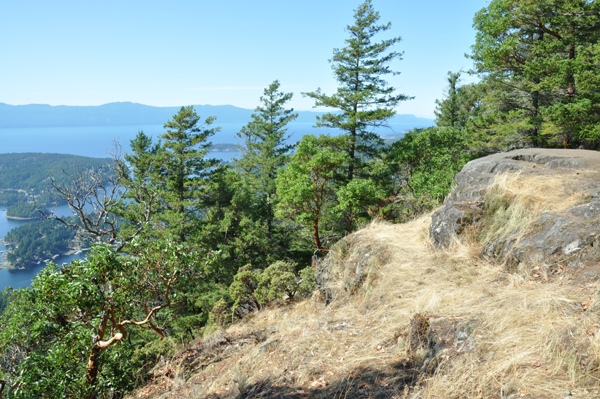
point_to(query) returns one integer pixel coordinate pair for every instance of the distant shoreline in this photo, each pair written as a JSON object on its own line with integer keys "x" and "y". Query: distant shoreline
{"x": 22, "y": 219}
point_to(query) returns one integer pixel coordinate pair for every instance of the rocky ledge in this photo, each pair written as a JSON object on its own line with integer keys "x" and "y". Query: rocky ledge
{"x": 566, "y": 232}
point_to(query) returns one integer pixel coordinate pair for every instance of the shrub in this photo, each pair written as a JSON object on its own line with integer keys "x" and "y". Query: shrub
{"x": 253, "y": 289}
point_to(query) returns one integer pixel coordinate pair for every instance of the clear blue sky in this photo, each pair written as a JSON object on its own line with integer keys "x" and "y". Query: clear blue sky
{"x": 182, "y": 52}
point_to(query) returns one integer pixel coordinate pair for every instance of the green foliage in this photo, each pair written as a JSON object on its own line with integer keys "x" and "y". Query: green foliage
{"x": 11, "y": 197}
{"x": 220, "y": 314}
{"x": 167, "y": 182}
{"x": 539, "y": 61}
{"x": 184, "y": 170}
{"x": 234, "y": 226}
{"x": 253, "y": 289}
{"x": 276, "y": 281}
{"x": 423, "y": 164}
{"x": 71, "y": 334}
{"x": 307, "y": 281}
{"x": 307, "y": 186}
{"x": 242, "y": 289}
{"x": 249, "y": 218}
{"x": 358, "y": 198}
{"x": 363, "y": 99}
{"x": 23, "y": 210}
{"x": 448, "y": 110}
{"x": 265, "y": 149}
{"x": 30, "y": 171}
{"x": 5, "y": 298}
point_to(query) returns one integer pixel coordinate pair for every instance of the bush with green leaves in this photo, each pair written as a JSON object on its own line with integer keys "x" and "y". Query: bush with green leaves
{"x": 422, "y": 165}
{"x": 252, "y": 289}
{"x": 83, "y": 331}
{"x": 276, "y": 281}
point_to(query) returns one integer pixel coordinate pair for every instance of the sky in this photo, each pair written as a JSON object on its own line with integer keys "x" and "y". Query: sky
{"x": 184, "y": 52}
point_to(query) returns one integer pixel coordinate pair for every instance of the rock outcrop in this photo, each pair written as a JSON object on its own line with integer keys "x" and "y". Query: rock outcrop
{"x": 527, "y": 206}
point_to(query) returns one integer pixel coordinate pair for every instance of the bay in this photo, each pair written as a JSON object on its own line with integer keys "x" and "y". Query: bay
{"x": 89, "y": 141}
{"x": 22, "y": 278}
{"x": 99, "y": 141}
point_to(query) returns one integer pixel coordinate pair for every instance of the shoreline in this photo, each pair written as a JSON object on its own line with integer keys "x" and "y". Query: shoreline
{"x": 21, "y": 219}
{"x": 5, "y": 265}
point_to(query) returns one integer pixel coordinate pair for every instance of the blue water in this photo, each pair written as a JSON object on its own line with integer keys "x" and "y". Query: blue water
{"x": 90, "y": 141}
{"x": 99, "y": 141}
{"x": 22, "y": 278}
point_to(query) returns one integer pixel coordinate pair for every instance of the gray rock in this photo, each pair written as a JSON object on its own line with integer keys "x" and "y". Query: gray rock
{"x": 571, "y": 237}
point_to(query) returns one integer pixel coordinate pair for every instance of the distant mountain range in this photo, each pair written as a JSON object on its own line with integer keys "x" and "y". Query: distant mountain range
{"x": 127, "y": 113}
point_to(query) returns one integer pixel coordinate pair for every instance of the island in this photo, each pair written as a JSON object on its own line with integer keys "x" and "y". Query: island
{"x": 24, "y": 211}
{"x": 225, "y": 147}
{"x": 38, "y": 241}
{"x": 27, "y": 192}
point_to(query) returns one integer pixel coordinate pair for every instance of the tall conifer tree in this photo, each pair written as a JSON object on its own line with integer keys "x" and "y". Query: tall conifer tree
{"x": 184, "y": 170}
{"x": 364, "y": 99}
{"x": 265, "y": 149}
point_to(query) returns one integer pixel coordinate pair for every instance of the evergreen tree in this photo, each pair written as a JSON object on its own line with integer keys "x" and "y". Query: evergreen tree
{"x": 537, "y": 57}
{"x": 448, "y": 110}
{"x": 184, "y": 171}
{"x": 139, "y": 178}
{"x": 364, "y": 99}
{"x": 265, "y": 149}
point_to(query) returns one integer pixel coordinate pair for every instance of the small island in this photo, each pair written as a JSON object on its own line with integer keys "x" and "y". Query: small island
{"x": 24, "y": 211}
{"x": 37, "y": 242}
{"x": 26, "y": 191}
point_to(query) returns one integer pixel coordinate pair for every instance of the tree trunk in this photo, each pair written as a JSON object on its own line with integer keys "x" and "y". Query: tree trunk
{"x": 93, "y": 365}
{"x": 91, "y": 377}
{"x": 352, "y": 155}
{"x": 316, "y": 234}
{"x": 570, "y": 91}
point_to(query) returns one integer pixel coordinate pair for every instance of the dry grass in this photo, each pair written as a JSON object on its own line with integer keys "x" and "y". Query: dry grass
{"x": 514, "y": 202}
{"x": 530, "y": 340}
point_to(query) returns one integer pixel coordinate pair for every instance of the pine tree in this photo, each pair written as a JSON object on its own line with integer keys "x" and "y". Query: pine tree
{"x": 184, "y": 170}
{"x": 265, "y": 149}
{"x": 537, "y": 57}
{"x": 363, "y": 100}
{"x": 448, "y": 110}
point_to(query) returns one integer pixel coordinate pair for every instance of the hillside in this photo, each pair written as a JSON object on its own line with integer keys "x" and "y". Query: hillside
{"x": 505, "y": 332}
{"x": 32, "y": 171}
{"x": 407, "y": 320}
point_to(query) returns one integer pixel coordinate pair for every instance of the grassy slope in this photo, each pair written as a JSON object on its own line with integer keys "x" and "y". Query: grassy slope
{"x": 533, "y": 338}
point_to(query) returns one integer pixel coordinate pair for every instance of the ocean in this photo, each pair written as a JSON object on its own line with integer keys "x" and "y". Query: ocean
{"x": 99, "y": 141}
{"x": 22, "y": 278}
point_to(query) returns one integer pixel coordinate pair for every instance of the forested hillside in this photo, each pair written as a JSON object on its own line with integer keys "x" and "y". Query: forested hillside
{"x": 25, "y": 175}
{"x": 184, "y": 244}
{"x": 27, "y": 190}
